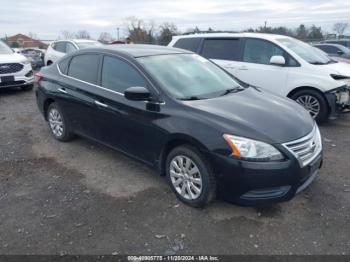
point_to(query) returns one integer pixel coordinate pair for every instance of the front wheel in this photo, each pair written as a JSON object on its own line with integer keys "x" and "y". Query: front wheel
{"x": 190, "y": 176}
{"x": 314, "y": 102}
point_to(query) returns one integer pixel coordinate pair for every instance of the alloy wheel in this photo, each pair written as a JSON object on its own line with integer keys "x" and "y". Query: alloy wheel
{"x": 185, "y": 177}
{"x": 310, "y": 103}
{"x": 56, "y": 122}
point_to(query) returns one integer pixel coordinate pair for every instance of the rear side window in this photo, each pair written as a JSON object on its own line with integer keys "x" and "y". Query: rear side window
{"x": 324, "y": 48}
{"x": 63, "y": 65}
{"x": 224, "y": 49}
{"x": 70, "y": 48}
{"x": 332, "y": 49}
{"x": 84, "y": 67}
{"x": 190, "y": 44}
{"x": 60, "y": 47}
{"x": 260, "y": 51}
{"x": 118, "y": 75}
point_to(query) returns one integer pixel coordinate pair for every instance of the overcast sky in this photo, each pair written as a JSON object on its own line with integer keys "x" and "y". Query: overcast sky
{"x": 47, "y": 18}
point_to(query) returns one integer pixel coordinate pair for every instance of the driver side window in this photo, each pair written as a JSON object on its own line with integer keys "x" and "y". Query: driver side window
{"x": 118, "y": 75}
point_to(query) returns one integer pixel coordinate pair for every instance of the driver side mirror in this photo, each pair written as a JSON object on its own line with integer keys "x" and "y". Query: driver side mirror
{"x": 277, "y": 60}
{"x": 339, "y": 52}
{"x": 137, "y": 93}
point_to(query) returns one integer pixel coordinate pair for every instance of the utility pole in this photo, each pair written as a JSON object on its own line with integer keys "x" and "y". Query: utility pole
{"x": 265, "y": 25}
{"x": 118, "y": 32}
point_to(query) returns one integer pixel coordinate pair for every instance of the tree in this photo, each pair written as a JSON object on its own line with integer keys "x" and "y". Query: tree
{"x": 301, "y": 32}
{"x": 340, "y": 28}
{"x": 105, "y": 37}
{"x": 167, "y": 31}
{"x": 315, "y": 33}
{"x": 66, "y": 34}
{"x": 139, "y": 32}
{"x": 82, "y": 34}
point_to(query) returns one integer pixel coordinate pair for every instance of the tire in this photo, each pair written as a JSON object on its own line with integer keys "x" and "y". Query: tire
{"x": 316, "y": 100}
{"x": 27, "y": 88}
{"x": 190, "y": 182}
{"x": 57, "y": 123}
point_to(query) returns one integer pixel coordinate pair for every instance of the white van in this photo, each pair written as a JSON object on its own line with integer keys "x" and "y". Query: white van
{"x": 282, "y": 64}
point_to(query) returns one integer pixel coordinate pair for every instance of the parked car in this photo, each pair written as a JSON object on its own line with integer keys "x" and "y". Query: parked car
{"x": 15, "y": 69}
{"x": 343, "y": 42}
{"x": 335, "y": 51}
{"x": 35, "y": 56}
{"x": 187, "y": 118}
{"x": 281, "y": 64}
{"x": 60, "y": 48}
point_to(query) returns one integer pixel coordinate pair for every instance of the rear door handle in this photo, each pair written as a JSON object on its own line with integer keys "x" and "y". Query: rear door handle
{"x": 100, "y": 104}
{"x": 242, "y": 68}
{"x": 62, "y": 90}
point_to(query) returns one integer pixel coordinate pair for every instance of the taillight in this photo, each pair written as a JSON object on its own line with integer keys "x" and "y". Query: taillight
{"x": 38, "y": 77}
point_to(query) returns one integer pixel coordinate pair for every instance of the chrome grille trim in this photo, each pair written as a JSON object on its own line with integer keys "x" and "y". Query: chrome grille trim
{"x": 307, "y": 148}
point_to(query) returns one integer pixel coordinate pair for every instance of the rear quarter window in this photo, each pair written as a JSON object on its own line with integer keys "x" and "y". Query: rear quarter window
{"x": 63, "y": 65}
{"x": 191, "y": 44}
{"x": 84, "y": 67}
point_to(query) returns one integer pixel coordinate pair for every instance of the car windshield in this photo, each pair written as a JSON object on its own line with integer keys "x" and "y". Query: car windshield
{"x": 4, "y": 49}
{"x": 306, "y": 51}
{"x": 189, "y": 76}
{"x": 83, "y": 45}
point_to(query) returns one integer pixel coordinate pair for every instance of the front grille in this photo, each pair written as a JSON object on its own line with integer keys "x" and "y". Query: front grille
{"x": 307, "y": 148}
{"x": 10, "y": 68}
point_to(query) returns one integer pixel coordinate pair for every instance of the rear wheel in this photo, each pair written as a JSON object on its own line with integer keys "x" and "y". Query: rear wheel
{"x": 58, "y": 123}
{"x": 190, "y": 176}
{"x": 314, "y": 102}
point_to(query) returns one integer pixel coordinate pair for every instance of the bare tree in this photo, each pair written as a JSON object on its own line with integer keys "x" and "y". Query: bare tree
{"x": 32, "y": 35}
{"x": 66, "y": 34}
{"x": 82, "y": 34}
{"x": 167, "y": 31}
{"x": 139, "y": 31}
{"x": 340, "y": 28}
{"x": 105, "y": 37}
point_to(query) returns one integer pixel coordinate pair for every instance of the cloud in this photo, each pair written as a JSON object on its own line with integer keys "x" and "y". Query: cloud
{"x": 48, "y": 18}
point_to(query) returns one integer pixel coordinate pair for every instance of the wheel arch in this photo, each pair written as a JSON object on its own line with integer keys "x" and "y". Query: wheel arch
{"x": 47, "y": 103}
{"x": 175, "y": 141}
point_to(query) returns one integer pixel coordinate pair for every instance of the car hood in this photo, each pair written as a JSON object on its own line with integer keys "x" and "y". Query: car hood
{"x": 257, "y": 114}
{"x": 11, "y": 58}
{"x": 338, "y": 68}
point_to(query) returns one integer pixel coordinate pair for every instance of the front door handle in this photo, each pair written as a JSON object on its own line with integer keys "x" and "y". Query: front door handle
{"x": 100, "y": 104}
{"x": 62, "y": 90}
{"x": 242, "y": 68}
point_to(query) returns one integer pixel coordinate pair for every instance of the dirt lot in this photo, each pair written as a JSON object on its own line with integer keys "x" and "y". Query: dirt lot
{"x": 84, "y": 198}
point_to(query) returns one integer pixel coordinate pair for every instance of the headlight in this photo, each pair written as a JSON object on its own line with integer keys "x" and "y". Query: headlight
{"x": 248, "y": 149}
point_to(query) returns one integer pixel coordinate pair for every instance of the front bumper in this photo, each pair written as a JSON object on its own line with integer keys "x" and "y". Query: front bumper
{"x": 22, "y": 78}
{"x": 338, "y": 100}
{"x": 261, "y": 183}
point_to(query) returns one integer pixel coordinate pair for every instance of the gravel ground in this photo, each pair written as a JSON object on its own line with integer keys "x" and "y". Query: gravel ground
{"x": 84, "y": 198}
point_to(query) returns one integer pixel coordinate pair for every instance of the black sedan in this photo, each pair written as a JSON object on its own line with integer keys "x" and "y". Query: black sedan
{"x": 186, "y": 117}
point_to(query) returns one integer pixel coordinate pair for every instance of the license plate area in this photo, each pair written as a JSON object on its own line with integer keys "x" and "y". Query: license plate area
{"x": 7, "y": 79}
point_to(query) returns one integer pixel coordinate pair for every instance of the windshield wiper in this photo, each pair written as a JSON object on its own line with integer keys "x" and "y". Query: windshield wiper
{"x": 232, "y": 90}
{"x": 189, "y": 98}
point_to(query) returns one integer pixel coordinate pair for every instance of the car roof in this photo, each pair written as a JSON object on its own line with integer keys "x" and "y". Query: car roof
{"x": 330, "y": 44}
{"x": 338, "y": 40}
{"x": 214, "y": 35}
{"x": 138, "y": 50}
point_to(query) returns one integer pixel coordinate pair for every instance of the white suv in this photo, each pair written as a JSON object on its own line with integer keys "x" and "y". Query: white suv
{"x": 60, "y": 48}
{"x": 282, "y": 64}
{"x": 15, "y": 69}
